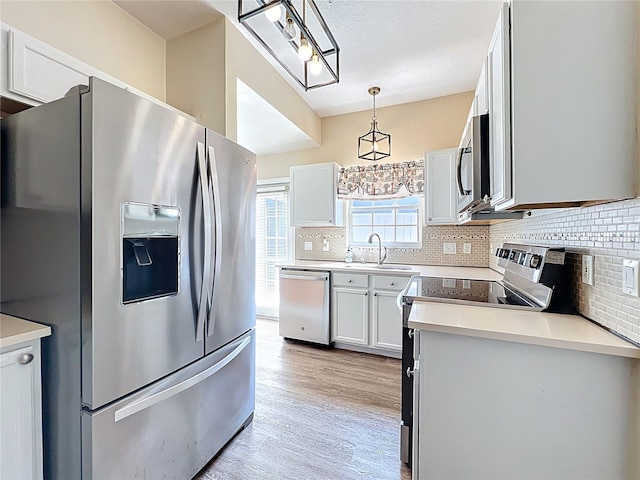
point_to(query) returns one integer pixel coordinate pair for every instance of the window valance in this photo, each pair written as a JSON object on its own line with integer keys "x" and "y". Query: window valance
{"x": 380, "y": 181}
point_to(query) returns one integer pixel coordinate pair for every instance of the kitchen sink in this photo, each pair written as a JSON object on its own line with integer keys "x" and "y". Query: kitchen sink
{"x": 368, "y": 266}
{"x": 393, "y": 267}
{"x": 377, "y": 267}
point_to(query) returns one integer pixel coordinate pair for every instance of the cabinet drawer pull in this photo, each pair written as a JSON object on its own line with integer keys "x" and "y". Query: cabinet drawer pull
{"x": 375, "y": 294}
{"x": 25, "y": 358}
{"x": 348, "y": 281}
{"x": 366, "y": 293}
{"x": 393, "y": 283}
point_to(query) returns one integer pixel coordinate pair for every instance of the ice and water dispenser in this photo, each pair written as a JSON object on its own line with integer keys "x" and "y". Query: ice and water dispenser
{"x": 150, "y": 251}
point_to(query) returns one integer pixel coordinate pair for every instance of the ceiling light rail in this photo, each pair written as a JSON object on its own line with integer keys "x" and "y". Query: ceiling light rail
{"x": 301, "y": 44}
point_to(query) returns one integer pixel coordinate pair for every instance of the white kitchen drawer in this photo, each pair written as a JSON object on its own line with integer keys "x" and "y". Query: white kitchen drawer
{"x": 390, "y": 282}
{"x": 350, "y": 280}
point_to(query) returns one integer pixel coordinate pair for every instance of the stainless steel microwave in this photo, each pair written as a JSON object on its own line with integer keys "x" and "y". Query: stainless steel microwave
{"x": 473, "y": 166}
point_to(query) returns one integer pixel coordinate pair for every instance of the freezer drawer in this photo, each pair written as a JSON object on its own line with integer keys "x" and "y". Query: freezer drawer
{"x": 174, "y": 427}
{"x": 304, "y": 306}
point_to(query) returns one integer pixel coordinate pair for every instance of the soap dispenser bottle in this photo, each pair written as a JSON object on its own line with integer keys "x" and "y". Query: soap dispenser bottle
{"x": 349, "y": 256}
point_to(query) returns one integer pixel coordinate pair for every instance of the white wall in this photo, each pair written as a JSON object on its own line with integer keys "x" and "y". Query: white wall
{"x": 414, "y": 127}
{"x": 196, "y": 75}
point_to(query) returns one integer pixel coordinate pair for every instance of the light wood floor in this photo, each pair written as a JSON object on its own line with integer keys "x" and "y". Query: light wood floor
{"x": 321, "y": 414}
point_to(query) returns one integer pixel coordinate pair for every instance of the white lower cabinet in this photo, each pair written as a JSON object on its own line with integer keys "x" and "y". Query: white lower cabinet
{"x": 387, "y": 321}
{"x": 20, "y": 411}
{"x": 365, "y": 312}
{"x": 518, "y": 411}
{"x": 351, "y": 311}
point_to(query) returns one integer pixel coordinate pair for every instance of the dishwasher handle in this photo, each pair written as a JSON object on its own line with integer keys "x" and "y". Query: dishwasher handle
{"x": 323, "y": 278}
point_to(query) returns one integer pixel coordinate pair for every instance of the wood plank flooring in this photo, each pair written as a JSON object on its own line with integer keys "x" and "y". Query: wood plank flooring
{"x": 321, "y": 414}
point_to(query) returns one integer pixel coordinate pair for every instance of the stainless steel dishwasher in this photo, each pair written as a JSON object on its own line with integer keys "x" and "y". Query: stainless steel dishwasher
{"x": 304, "y": 305}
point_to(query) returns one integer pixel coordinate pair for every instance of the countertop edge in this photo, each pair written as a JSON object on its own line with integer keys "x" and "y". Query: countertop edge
{"x": 443, "y": 271}
{"x": 20, "y": 331}
{"x": 629, "y": 352}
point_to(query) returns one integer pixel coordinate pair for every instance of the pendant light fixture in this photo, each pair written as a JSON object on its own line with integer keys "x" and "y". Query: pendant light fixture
{"x": 374, "y": 145}
{"x": 301, "y": 43}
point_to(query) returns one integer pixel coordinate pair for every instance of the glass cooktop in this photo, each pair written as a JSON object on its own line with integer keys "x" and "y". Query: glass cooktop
{"x": 456, "y": 290}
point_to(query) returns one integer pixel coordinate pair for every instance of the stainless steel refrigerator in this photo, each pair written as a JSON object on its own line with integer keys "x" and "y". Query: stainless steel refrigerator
{"x": 130, "y": 230}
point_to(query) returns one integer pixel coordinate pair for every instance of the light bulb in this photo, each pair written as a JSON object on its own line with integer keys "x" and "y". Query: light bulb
{"x": 274, "y": 13}
{"x": 304, "y": 50}
{"x": 289, "y": 30}
{"x": 315, "y": 67}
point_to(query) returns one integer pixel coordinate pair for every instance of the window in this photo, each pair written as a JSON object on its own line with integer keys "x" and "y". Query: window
{"x": 273, "y": 245}
{"x": 397, "y": 221}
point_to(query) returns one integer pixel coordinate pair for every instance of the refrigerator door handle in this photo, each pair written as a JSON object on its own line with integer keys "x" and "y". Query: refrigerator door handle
{"x": 214, "y": 187}
{"x": 206, "y": 209}
{"x": 170, "y": 391}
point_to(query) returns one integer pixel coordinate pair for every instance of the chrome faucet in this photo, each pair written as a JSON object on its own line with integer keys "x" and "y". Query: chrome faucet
{"x": 381, "y": 258}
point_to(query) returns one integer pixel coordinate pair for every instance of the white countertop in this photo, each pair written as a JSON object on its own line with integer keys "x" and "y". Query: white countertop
{"x": 536, "y": 328}
{"x": 471, "y": 273}
{"x": 16, "y": 330}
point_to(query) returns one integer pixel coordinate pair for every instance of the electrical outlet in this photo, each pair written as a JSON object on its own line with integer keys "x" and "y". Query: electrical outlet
{"x": 449, "y": 283}
{"x": 466, "y": 248}
{"x": 449, "y": 248}
{"x": 587, "y": 269}
{"x": 325, "y": 245}
{"x": 308, "y": 245}
{"x": 630, "y": 277}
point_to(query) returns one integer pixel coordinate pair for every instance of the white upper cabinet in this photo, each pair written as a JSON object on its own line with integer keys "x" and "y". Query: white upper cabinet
{"x": 36, "y": 72}
{"x": 33, "y": 72}
{"x": 313, "y": 194}
{"x": 481, "y": 97}
{"x": 499, "y": 105}
{"x": 563, "y": 89}
{"x": 440, "y": 193}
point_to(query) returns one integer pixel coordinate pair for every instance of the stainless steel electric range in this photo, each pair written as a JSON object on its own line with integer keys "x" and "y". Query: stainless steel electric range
{"x": 535, "y": 279}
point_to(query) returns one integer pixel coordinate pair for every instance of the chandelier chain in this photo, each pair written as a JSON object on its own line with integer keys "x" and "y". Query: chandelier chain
{"x": 374, "y": 118}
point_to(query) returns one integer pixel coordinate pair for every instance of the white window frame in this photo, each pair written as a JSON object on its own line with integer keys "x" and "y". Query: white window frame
{"x": 277, "y": 185}
{"x": 418, "y": 244}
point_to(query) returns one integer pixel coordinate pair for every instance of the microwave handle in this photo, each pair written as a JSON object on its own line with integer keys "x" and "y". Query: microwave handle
{"x": 459, "y": 173}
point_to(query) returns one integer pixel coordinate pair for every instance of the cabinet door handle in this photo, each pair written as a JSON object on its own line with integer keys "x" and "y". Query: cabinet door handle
{"x": 411, "y": 333}
{"x": 25, "y": 358}
{"x": 392, "y": 283}
{"x": 366, "y": 293}
{"x": 348, "y": 281}
{"x": 409, "y": 372}
{"x": 429, "y": 218}
{"x": 375, "y": 294}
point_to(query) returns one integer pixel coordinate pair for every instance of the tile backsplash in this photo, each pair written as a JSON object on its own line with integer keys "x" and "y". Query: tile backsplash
{"x": 430, "y": 254}
{"x": 611, "y": 233}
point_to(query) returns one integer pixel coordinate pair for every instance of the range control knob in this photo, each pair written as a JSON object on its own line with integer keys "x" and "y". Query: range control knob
{"x": 535, "y": 261}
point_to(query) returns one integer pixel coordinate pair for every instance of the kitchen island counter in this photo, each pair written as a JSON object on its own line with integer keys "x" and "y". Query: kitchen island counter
{"x": 535, "y": 328}
{"x": 521, "y": 394}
